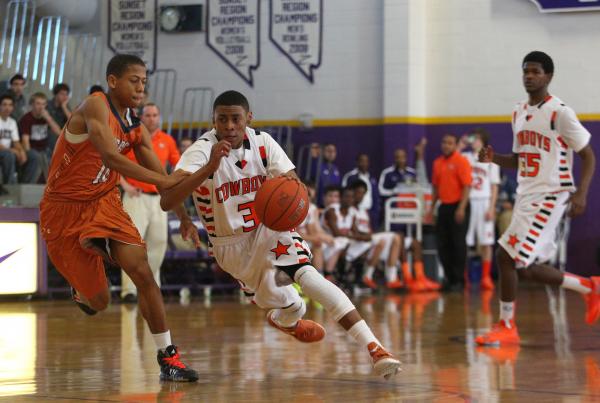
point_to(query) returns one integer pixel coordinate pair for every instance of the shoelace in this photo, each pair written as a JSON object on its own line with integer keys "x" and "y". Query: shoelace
{"x": 378, "y": 353}
{"x": 174, "y": 361}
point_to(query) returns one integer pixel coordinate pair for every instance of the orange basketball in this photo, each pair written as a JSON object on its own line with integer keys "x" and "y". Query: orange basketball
{"x": 281, "y": 203}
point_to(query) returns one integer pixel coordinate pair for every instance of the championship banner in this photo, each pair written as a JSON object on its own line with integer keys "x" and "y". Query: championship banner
{"x": 132, "y": 29}
{"x": 554, "y": 6}
{"x": 233, "y": 34}
{"x": 296, "y": 29}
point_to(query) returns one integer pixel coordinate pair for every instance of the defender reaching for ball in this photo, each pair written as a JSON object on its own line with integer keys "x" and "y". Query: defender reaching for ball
{"x": 229, "y": 164}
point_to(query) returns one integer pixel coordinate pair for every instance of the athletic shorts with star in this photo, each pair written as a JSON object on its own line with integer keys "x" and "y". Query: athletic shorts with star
{"x": 241, "y": 245}
{"x": 545, "y": 137}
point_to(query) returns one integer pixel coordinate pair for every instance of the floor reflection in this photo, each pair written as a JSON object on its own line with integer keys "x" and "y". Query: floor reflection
{"x": 50, "y": 351}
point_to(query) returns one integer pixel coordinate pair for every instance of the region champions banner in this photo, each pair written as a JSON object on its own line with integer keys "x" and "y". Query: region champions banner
{"x": 233, "y": 31}
{"x": 132, "y": 29}
{"x": 296, "y": 29}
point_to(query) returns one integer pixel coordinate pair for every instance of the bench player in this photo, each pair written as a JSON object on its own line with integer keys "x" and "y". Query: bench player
{"x": 228, "y": 165}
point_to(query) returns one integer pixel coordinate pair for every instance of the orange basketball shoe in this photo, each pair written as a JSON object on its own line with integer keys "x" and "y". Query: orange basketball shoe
{"x": 486, "y": 283}
{"x": 304, "y": 330}
{"x": 500, "y": 335}
{"x": 369, "y": 282}
{"x": 384, "y": 363}
{"x": 592, "y": 301}
{"x": 394, "y": 285}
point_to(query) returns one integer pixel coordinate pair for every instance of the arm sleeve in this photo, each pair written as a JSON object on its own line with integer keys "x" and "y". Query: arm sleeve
{"x": 421, "y": 169}
{"x": 571, "y": 130}
{"x": 383, "y": 191}
{"x": 277, "y": 160}
{"x": 194, "y": 158}
{"x": 345, "y": 179}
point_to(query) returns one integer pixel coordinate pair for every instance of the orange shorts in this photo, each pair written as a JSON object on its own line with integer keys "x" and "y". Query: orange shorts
{"x": 69, "y": 228}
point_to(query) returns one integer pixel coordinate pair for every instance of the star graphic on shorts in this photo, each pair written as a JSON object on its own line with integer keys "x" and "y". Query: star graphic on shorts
{"x": 513, "y": 241}
{"x": 281, "y": 249}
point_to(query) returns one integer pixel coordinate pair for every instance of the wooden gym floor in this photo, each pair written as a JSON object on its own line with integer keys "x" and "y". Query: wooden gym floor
{"x": 51, "y": 352}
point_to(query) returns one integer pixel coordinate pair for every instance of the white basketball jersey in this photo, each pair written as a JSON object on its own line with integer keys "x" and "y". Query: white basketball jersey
{"x": 545, "y": 136}
{"x": 484, "y": 176}
{"x": 363, "y": 221}
{"x": 344, "y": 222}
{"x": 225, "y": 201}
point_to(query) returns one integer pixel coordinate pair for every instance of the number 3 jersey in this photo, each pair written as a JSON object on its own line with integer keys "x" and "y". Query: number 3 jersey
{"x": 225, "y": 201}
{"x": 545, "y": 136}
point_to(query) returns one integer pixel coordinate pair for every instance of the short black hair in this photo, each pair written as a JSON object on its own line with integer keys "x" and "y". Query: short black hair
{"x": 17, "y": 77}
{"x": 61, "y": 87}
{"x": 119, "y": 64}
{"x": 483, "y": 134}
{"x": 6, "y": 96}
{"x": 95, "y": 88}
{"x": 310, "y": 184}
{"x": 542, "y": 58}
{"x": 361, "y": 154}
{"x": 358, "y": 184}
{"x": 332, "y": 188}
{"x": 454, "y": 136}
{"x": 231, "y": 98}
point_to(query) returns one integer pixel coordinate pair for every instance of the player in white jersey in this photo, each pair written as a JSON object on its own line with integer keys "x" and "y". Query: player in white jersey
{"x": 228, "y": 165}
{"x": 546, "y": 132}
{"x": 482, "y": 198}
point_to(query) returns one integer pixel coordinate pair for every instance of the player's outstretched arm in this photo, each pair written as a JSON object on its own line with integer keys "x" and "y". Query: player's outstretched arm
{"x": 578, "y": 199}
{"x": 487, "y": 154}
{"x": 95, "y": 113}
{"x": 175, "y": 195}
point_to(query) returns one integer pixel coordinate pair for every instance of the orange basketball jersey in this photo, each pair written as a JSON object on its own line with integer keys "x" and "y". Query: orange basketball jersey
{"x": 77, "y": 172}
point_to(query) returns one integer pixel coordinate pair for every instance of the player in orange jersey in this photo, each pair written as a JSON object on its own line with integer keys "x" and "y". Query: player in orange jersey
{"x": 81, "y": 213}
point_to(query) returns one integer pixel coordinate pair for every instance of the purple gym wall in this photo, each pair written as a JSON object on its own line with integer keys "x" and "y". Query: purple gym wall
{"x": 381, "y": 141}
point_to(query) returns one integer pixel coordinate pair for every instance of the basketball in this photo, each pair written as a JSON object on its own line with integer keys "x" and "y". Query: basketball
{"x": 281, "y": 203}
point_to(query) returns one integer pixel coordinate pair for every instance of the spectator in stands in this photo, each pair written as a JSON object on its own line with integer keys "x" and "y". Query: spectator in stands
{"x": 392, "y": 178}
{"x": 313, "y": 162}
{"x": 142, "y": 202}
{"x": 11, "y": 152}
{"x": 58, "y": 107}
{"x": 36, "y": 128}
{"x": 370, "y": 201}
{"x": 329, "y": 173}
{"x": 451, "y": 179}
{"x": 17, "y": 92}
{"x": 332, "y": 195}
{"x": 96, "y": 88}
{"x": 185, "y": 143}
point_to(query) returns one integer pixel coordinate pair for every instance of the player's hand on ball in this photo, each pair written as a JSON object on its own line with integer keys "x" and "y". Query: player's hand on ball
{"x": 189, "y": 232}
{"x": 578, "y": 203}
{"x": 218, "y": 151}
{"x": 486, "y": 154}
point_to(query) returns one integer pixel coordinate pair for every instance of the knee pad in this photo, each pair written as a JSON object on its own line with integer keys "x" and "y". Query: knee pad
{"x": 316, "y": 287}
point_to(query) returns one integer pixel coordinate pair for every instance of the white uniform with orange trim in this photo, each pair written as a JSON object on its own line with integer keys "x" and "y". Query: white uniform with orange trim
{"x": 485, "y": 175}
{"x": 241, "y": 245}
{"x": 545, "y": 136}
{"x": 344, "y": 224}
{"x": 363, "y": 224}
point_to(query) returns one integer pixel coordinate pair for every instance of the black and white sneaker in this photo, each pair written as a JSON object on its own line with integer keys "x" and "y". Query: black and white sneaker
{"x": 84, "y": 307}
{"x": 172, "y": 369}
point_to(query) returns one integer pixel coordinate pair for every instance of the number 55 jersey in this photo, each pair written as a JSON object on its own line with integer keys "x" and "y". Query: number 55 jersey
{"x": 545, "y": 136}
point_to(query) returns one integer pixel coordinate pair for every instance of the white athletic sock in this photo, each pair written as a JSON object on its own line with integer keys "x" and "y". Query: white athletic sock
{"x": 316, "y": 287}
{"x": 576, "y": 283}
{"x": 391, "y": 274}
{"x": 369, "y": 272}
{"x": 290, "y": 315}
{"x": 362, "y": 333}
{"x": 162, "y": 340}
{"x": 507, "y": 312}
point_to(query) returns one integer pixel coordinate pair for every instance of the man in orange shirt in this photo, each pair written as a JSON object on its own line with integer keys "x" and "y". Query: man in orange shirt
{"x": 142, "y": 201}
{"x": 451, "y": 182}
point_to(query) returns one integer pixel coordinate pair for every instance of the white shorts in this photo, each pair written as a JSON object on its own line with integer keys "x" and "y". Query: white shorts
{"x": 339, "y": 243}
{"x": 357, "y": 248}
{"x": 251, "y": 259}
{"x": 387, "y": 238}
{"x": 478, "y": 226}
{"x": 531, "y": 235}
